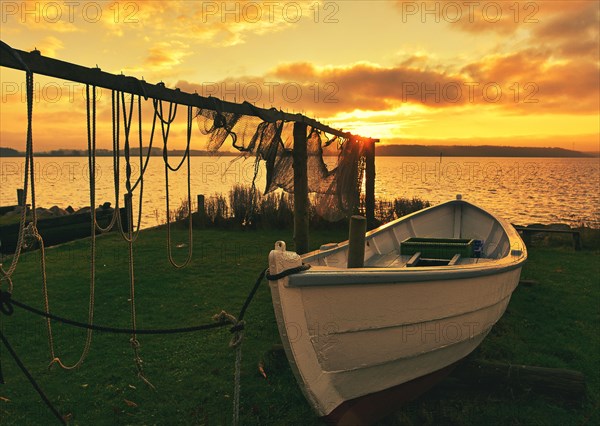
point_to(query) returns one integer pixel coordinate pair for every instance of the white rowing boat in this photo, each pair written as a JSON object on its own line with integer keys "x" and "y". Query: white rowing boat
{"x": 432, "y": 286}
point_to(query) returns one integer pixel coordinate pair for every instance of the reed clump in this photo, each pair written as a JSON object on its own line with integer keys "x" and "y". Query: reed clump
{"x": 246, "y": 207}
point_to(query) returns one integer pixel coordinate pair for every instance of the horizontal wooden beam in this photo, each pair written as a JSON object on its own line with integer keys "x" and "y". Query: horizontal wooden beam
{"x": 557, "y": 383}
{"x": 50, "y": 67}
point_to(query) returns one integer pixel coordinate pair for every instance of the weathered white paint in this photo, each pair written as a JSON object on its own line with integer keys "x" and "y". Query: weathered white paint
{"x": 353, "y": 332}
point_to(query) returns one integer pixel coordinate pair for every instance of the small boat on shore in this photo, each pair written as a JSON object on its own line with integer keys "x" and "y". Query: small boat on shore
{"x": 362, "y": 340}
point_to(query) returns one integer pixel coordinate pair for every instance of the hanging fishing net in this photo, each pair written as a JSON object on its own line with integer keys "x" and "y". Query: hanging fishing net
{"x": 335, "y": 190}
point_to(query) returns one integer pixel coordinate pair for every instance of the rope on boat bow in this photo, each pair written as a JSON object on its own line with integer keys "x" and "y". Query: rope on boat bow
{"x": 288, "y": 272}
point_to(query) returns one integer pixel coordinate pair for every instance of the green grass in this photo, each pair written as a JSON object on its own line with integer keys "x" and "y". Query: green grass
{"x": 553, "y": 324}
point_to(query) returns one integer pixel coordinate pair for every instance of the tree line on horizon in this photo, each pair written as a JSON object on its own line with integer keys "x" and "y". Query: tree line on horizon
{"x": 380, "y": 150}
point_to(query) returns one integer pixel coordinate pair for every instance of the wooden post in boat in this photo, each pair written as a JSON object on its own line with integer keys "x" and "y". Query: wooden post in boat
{"x": 370, "y": 184}
{"x": 356, "y": 242}
{"x": 300, "y": 164}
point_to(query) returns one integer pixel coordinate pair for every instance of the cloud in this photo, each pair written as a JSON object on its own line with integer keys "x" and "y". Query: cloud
{"x": 559, "y": 86}
{"x": 49, "y": 46}
{"x": 573, "y": 32}
{"x": 529, "y": 81}
{"x": 41, "y": 16}
{"x": 217, "y": 24}
{"x": 499, "y": 17}
{"x": 166, "y": 54}
{"x": 568, "y": 28}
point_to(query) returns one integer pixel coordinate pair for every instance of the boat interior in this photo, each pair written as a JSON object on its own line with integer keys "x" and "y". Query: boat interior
{"x": 450, "y": 234}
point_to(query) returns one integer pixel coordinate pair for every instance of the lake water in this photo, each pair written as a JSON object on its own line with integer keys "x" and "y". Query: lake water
{"x": 522, "y": 190}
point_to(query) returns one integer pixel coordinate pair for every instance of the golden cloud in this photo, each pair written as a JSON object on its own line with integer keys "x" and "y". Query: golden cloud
{"x": 530, "y": 81}
{"x": 569, "y": 28}
{"x": 49, "y": 45}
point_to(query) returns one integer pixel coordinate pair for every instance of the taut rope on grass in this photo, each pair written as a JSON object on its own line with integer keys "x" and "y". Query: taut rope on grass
{"x": 222, "y": 319}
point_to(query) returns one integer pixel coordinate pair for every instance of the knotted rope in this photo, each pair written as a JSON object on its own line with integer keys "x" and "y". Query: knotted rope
{"x": 235, "y": 343}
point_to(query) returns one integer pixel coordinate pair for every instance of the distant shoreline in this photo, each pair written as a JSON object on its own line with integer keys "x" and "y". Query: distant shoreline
{"x": 381, "y": 151}
{"x": 477, "y": 151}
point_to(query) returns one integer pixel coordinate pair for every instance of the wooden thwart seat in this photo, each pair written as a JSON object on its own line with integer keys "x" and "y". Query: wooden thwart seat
{"x": 417, "y": 260}
{"x": 414, "y": 260}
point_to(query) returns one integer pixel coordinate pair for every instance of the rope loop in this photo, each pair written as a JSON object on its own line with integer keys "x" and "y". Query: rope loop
{"x": 236, "y": 343}
{"x": 31, "y": 231}
{"x": 237, "y": 329}
{"x": 54, "y": 360}
{"x": 5, "y": 277}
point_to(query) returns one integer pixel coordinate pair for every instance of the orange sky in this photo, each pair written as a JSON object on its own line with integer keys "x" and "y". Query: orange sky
{"x": 506, "y": 73}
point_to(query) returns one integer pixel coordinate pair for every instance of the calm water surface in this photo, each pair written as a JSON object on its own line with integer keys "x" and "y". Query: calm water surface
{"x": 522, "y": 190}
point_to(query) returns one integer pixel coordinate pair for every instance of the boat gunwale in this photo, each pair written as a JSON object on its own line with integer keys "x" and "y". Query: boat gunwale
{"x": 319, "y": 275}
{"x": 322, "y": 275}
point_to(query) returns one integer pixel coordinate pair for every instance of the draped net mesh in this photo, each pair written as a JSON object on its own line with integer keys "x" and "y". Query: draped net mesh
{"x": 336, "y": 190}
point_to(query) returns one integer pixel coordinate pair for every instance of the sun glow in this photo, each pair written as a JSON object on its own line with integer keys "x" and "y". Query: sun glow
{"x": 364, "y": 77}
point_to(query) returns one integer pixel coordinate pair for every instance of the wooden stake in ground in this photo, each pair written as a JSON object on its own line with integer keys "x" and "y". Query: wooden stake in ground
{"x": 558, "y": 383}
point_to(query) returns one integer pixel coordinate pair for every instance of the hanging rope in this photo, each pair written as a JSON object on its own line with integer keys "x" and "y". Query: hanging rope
{"x": 91, "y": 137}
{"x": 30, "y": 232}
{"x": 5, "y": 275}
{"x": 129, "y": 234}
{"x": 166, "y": 128}
{"x": 92, "y": 168}
{"x": 140, "y": 180}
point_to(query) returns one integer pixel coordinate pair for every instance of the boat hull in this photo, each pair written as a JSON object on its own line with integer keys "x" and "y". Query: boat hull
{"x": 355, "y": 335}
{"x": 355, "y": 341}
{"x": 371, "y": 408}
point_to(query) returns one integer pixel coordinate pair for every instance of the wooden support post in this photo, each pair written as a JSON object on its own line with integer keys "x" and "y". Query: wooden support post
{"x": 566, "y": 385}
{"x": 370, "y": 184}
{"x": 527, "y": 239}
{"x": 199, "y": 218}
{"x": 576, "y": 240}
{"x": 200, "y": 208}
{"x": 300, "y": 164}
{"x": 527, "y": 232}
{"x": 20, "y": 197}
{"x": 528, "y": 283}
{"x": 356, "y": 242}
{"x": 128, "y": 214}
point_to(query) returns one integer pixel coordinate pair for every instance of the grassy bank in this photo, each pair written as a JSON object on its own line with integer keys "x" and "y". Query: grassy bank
{"x": 553, "y": 324}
